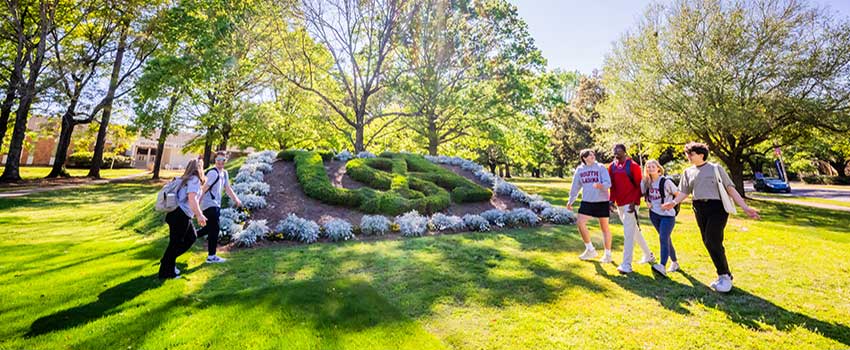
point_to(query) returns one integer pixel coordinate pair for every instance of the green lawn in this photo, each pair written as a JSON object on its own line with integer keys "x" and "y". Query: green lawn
{"x": 77, "y": 271}
{"x": 802, "y": 199}
{"x": 38, "y": 172}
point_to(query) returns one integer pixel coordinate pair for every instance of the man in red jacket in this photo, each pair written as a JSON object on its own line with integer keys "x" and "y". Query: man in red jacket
{"x": 625, "y": 193}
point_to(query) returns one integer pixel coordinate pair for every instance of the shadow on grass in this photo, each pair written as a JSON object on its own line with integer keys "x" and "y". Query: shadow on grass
{"x": 91, "y": 194}
{"x": 740, "y": 306}
{"x": 107, "y": 303}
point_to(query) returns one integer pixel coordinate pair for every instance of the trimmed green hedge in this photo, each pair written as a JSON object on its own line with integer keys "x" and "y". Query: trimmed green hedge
{"x": 400, "y": 193}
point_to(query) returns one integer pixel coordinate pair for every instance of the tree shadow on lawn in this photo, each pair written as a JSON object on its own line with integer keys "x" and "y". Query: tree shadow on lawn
{"x": 90, "y": 194}
{"x": 107, "y": 303}
{"x": 740, "y": 306}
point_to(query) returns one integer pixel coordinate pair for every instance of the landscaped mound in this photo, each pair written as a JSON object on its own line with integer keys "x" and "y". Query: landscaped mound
{"x": 312, "y": 196}
{"x": 398, "y": 183}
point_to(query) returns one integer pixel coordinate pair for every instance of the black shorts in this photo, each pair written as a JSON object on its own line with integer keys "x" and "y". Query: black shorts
{"x": 595, "y": 209}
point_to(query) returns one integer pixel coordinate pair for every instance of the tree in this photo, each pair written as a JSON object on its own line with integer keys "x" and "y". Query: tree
{"x": 78, "y": 61}
{"x": 360, "y": 36}
{"x": 30, "y": 26}
{"x": 157, "y": 100}
{"x": 133, "y": 41}
{"x": 443, "y": 59}
{"x": 731, "y": 74}
{"x": 573, "y": 124}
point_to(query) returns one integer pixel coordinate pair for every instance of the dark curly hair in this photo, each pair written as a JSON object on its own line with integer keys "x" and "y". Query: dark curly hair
{"x": 698, "y": 148}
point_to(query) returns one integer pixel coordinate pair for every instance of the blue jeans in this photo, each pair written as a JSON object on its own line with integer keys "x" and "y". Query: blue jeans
{"x": 664, "y": 225}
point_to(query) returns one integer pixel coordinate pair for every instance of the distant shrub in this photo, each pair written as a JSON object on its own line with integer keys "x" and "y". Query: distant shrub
{"x": 338, "y": 230}
{"x": 443, "y": 222}
{"x": 374, "y": 225}
{"x": 253, "y": 233}
{"x": 412, "y": 224}
{"x": 476, "y": 223}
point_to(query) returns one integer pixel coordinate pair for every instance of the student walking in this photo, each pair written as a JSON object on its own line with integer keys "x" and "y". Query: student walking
{"x": 593, "y": 181}
{"x": 217, "y": 179}
{"x": 181, "y": 232}
{"x": 625, "y": 194}
{"x": 657, "y": 188}
{"x": 713, "y": 193}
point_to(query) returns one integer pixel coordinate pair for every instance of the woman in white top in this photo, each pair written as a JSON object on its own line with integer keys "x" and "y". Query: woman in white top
{"x": 181, "y": 233}
{"x": 657, "y": 189}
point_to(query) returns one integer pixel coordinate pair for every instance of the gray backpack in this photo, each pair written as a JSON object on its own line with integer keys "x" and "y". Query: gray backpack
{"x": 166, "y": 199}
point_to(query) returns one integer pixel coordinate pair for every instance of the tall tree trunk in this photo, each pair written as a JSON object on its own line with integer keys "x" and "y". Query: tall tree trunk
{"x": 492, "y": 167}
{"x": 160, "y": 147}
{"x": 6, "y": 107}
{"x": 225, "y": 137}
{"x": 507, "y": 171}
{"x": 163, "y": 135}
{"x": 97, "y": 157}
{"x": 13, "y": 161}
{"x": 11, "y": 92}
{"x": 840, "y": 167}
{"x": 735, "y": 163}
{"x": 433, "y": 137}
{"x": 62, "y": 145}
{"x": 358, "y": 139}
{"x": 208, "y": 140}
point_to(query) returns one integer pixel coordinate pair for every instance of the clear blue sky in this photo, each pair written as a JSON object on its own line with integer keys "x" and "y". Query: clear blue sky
{"x": 576, "y": 34}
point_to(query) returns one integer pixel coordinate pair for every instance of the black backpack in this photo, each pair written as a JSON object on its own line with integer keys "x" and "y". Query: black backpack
{"x": 661, "y": 184}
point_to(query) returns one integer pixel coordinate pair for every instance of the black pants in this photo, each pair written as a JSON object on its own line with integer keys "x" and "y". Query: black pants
{"x": 181, "y": 236}
{"x": 711, "y": 219}
{"x": 212, "y": 228}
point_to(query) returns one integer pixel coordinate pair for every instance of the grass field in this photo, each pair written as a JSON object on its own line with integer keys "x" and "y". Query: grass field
{"x": 802, "y": 199}
{"x": 38, "y": 172}
{"x": 78, "y": 272}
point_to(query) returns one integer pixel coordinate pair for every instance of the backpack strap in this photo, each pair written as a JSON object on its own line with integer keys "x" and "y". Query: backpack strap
{"x": 218, "y": 176}
{"x": 662, "y": 187}
{"x": 628, "y": 168}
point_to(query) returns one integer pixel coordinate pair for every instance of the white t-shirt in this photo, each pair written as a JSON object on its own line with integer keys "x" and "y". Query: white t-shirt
{"x": 655, "y": 197}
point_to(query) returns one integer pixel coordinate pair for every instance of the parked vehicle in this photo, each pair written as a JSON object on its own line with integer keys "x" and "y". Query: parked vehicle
{"x": 771, "y": 184}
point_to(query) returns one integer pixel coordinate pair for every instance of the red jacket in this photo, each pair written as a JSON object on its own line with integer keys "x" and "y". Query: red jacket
{"x": 623, "y": 190}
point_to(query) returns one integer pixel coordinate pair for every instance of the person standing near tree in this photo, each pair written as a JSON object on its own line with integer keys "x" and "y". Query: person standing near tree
{"x": 705, "y": 181}
{"x": 625, "y": 195}
{"x": 217, "y": 179}
{"x": 592, "y": 180}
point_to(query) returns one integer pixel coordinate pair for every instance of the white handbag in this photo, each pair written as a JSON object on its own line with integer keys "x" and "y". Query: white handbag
{"x": 728, "y": 205}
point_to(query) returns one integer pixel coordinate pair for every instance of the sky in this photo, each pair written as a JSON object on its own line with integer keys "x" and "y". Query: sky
{"x": 576, "y": 34}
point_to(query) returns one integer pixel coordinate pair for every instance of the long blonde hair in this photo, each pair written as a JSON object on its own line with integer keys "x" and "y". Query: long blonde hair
{"x": 647, "y": 180}
{"x": 193, "y": 169}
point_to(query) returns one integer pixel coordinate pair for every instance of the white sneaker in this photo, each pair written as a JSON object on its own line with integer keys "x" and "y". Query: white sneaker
{"x": 660, "y": 269}
{"x": 723, "y": 284}
{"x": 589, "y": 253}
{"x": 176, "y": 271}
{"x": 215, "y": 259}
{"x": 624, "y": 269}
{"x": 674, "y": 266}
{"x": 648, "y": 259}
{"x": 606, "y": 258}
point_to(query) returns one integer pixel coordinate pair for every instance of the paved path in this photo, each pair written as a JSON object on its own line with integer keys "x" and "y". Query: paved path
{"x": 27, "y": 191}
{"x": 810, "y": 191}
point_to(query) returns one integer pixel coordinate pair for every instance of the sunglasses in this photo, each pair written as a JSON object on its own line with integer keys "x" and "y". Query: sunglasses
{"x": 220, "y": 159}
